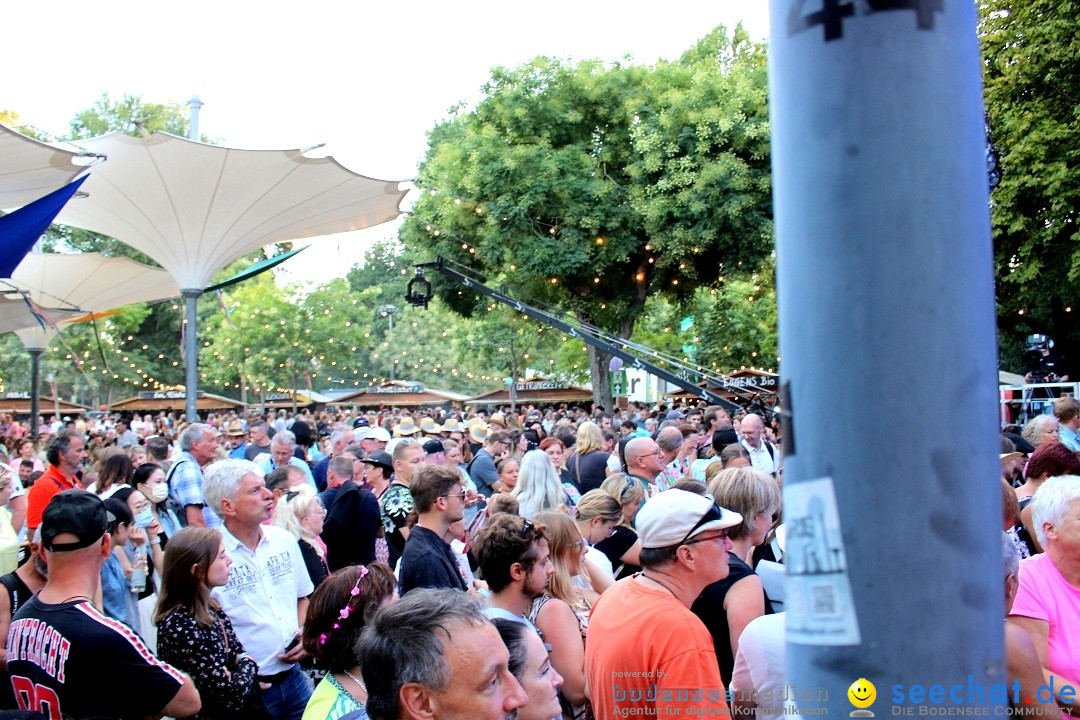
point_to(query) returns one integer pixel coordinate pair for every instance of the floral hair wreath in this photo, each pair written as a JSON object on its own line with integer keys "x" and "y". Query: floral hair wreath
{"x": 347, "y": 609}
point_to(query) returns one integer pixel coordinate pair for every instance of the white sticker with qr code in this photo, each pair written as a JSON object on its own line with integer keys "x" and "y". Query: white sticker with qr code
{"x": 817, "y": 591}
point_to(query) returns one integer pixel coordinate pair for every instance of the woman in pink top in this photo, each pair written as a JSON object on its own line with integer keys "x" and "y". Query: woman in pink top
{"x": 1047, "y": 604}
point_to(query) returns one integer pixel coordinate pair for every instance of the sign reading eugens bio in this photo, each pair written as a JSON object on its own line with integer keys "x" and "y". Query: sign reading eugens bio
{"x": 761, "y": 382}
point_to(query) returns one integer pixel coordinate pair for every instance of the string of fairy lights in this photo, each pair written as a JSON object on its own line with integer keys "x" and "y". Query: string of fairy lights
{"x": 128, "y": 372}
{"x": 639, "y": 277}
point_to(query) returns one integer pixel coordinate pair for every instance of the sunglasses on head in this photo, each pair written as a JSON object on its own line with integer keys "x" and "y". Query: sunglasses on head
{"x": 713, "y": 513}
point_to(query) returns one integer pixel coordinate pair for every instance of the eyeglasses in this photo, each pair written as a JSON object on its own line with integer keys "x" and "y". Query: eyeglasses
{"x": 455, "y": 495}
{"x": 723, "y": 534}
{"x": 578, "y": 544}
{"x": 714, "y": 513}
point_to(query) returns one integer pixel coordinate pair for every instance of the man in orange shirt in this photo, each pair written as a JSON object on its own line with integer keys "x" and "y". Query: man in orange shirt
{"x": 666, "y": 665}
{"x": 65, "y": 454}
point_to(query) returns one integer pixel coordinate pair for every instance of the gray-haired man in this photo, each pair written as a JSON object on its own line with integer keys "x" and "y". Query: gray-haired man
{"x": 266, "y": 596}
{"x": 434, "y": 655}
{"x": 198, "y": 446}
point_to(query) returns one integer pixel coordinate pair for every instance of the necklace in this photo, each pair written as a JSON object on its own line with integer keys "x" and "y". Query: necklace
{"x": 358, "y": 681}
{"x": 654, "y": 580}
{"x": 75, "y": 597}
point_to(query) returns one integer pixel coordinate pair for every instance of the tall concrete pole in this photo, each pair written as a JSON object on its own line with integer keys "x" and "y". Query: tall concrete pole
{"x": 35, "y": 391}
{"x": 887, "y": 340}
{"x": 194, "y": 105}
{"x": 191, "y": 302}
{"x": 191, "y": 352}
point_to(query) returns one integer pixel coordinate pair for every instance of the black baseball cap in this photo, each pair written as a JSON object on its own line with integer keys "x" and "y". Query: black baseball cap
{"x": 77, "y": 512}
{"x": 1021, "y": 444}
{"x": 434, "y": 445}
{"x": 380, "y": 458}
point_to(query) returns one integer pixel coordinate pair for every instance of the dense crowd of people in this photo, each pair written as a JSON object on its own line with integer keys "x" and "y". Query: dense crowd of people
{"x": 433, "y": 564}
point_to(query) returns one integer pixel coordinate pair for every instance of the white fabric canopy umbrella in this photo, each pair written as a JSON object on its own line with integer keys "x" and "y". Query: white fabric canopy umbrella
{"x": 91, "y": 281}
{"x": 30, "y": 169}
{"x": 194, "y": 208}
{"x": 88, "y": 282}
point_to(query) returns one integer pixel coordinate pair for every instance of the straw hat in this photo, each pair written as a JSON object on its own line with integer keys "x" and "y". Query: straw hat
{"x": 407, "y": 426}
{"x": 479, "y": 432}
{"x": 429, "y": 426}
{"x": 451, "y": 425}
{"x": 498, "y": 419}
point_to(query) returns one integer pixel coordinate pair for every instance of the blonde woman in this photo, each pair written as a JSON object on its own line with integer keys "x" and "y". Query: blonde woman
{"x": 587, "y": 465}
{"x": 727, "y": 606}
{"x": 597, "y": 516}
{"x": 300, "y": 512}
{"x": 562, "y": 613}
{"x": 622, "y": 547}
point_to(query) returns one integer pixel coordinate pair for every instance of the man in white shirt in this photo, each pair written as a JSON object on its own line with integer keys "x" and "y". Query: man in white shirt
{"x": 266, "y": 596}
{"x": 764, "y": 456}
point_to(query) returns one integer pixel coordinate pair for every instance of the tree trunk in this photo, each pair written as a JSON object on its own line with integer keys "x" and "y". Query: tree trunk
{"x": 600, "y": 363}
{"x": 513, "y": 379}
{"x": 601, "y": 378}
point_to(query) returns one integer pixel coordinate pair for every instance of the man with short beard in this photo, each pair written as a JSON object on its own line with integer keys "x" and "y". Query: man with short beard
{"x": 515, "y": 561}
{"x": 427, "y": 560}
{"x": 66, "y": 454}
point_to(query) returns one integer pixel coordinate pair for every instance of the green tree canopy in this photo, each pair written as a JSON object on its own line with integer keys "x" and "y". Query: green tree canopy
{"x": 592, "y": 186}
{"x": 1032, "y": 84}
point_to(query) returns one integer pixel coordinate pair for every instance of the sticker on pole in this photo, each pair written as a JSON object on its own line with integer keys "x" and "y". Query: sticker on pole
{"x": 817, "y": 591}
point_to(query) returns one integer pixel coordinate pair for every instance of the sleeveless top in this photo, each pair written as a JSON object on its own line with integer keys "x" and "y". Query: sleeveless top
{"x": 577, "y": 712}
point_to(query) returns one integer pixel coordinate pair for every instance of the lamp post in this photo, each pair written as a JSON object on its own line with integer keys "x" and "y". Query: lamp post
{"x": 388, "y": 312}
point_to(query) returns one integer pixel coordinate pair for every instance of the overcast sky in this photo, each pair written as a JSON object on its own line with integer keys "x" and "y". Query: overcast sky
{"x": 367, "y": 79}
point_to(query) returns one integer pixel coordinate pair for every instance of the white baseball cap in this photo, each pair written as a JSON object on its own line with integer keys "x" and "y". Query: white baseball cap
{"x": 675, "y": 516}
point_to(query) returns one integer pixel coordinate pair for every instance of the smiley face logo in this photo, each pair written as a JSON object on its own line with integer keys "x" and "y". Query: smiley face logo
{"x": 862, "y": 693}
